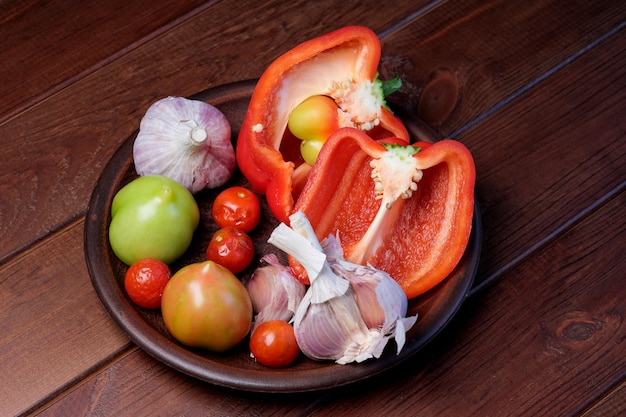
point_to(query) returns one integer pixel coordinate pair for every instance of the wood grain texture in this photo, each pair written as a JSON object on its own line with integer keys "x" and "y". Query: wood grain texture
{"x": 520, "y": 199}
{"x": 136, "y": 395}
{"x": 71, "y": 40}
{"x": 614, "y": 404}
{"x": 54, "y": 326}
{"x": 72, "y": 134}
{"x": 540, "y": 104}
{"x": 495, "y": 49}
{"x": 537, "y": 343}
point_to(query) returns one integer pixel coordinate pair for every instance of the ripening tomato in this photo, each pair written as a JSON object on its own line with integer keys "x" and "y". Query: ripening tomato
{"x": 145, "y": 281}
{"x": 204, "y": 305}
{"x": 273, "y": 343}
{"x": 152, "y": 217}
{"x": 237, "y": 207}
{"x": 232, "y": 248}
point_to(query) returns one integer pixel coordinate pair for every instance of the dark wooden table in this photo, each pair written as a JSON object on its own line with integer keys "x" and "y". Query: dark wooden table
{"x": 541, "y": 105}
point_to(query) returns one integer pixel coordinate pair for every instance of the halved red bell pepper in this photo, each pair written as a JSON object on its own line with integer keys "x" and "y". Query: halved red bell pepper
{"x": 341, "y": 64}
{"x": 404, "y": 209}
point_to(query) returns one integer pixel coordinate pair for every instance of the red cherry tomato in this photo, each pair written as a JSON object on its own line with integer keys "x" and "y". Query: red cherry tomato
{"x": 237, "y": 207}
{"x": 145, "y": 280}
{"x": 232, "y": 248}
{"x": 273, "y": 343}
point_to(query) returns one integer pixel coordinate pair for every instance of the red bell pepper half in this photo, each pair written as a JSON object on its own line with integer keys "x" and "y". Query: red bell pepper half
{"x": 405, "y": 209}
{"x": 341, "y": 65}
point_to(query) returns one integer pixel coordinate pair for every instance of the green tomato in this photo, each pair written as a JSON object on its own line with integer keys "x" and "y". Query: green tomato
{"x": 152, "y": 217}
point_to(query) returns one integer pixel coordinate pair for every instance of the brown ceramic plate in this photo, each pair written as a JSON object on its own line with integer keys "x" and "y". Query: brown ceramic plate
{"x": 235, "y": 368}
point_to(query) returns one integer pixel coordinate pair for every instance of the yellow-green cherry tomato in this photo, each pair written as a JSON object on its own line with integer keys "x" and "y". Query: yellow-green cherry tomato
{"x": 152, "y": 217}
{"x": 313, "y": 121}
{"x": 309, "y": 149}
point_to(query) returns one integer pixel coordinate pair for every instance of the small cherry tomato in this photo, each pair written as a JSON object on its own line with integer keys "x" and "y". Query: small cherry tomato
{"x": 309, "y": 149}
{"x": 145, "y": 280}
{"x": 312, "y": 121}
{"x": 237, "y": 207}
{"x": 273, "y": 343}
{"x": 232, "y": 248}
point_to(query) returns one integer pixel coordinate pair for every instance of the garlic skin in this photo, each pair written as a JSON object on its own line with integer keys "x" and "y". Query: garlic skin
{"x": 332, "y": 330}
{"x": 382, "y": 302}
{"x": 274, "y": 291}
{"x": 349, "y": 312}
{"x": 186, "y": 140}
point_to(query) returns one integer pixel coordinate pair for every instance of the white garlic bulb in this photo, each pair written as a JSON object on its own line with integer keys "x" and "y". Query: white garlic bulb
{"x": 382, "y": 302}
{"x": 350, "y": 311}
{"x": 186, "y": 140}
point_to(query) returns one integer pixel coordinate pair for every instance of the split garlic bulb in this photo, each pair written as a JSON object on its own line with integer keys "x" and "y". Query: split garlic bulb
{"x": 187, "y": 141}
{"x": 350, "y": 311}
{"x": 381, "y": 300}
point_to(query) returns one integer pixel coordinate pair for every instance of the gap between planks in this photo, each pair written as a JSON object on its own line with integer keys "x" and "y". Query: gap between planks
{"x": 549, "y": 238}
{"x": 43, "y": 96}
{"x": 79, "y": 380}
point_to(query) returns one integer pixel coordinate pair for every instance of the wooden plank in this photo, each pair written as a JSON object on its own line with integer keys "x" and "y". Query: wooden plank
{"x": 553, "y": 163}
{"x": 33, "y": 178}
{"x": 492, "y": 50}
{"x": 65, "y": 126}
{"x": 54, "y": 327}
{"x": 613, "y": 404}
{"x": 72, "y": 134}
{"x": 181, "y": 395}
{"x": 71, "y": 39}
{"x": 605, "y": 138}
{"x": 542, "y": 333}
{"x": 561, "y": 288}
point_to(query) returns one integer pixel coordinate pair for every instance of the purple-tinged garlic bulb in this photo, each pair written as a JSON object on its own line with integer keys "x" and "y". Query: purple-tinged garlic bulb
{"x": 350, "y": 311}
{"x": 186, "y": 140}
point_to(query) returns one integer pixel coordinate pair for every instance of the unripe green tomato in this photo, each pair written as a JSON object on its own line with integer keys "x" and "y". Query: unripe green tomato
{"x": 152, "y": 217}
{"x": 204, "y": 305}
{"x": 314, "y": 119}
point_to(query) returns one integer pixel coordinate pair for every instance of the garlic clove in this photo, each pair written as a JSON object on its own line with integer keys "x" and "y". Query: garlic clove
{"x": 274, "y": 292}
{"x": 309, "y": 254}
{"x": 324, "y": 331}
